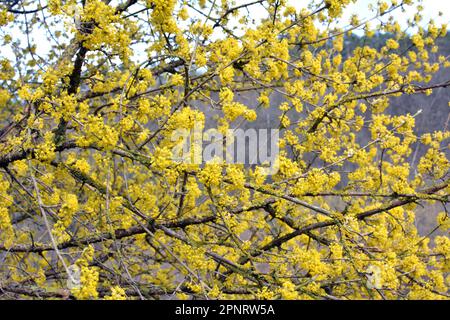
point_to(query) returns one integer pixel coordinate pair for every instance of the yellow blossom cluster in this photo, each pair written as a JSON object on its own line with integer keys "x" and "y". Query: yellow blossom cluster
{"x": 93, "y": 126}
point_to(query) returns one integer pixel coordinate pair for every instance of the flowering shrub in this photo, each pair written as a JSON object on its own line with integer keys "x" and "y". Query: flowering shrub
{"x": 87, "y": 176}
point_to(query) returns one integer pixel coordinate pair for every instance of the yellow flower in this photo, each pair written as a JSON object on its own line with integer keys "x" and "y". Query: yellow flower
{"x": 117, "y": 293}
{"x": 392, "y": 44}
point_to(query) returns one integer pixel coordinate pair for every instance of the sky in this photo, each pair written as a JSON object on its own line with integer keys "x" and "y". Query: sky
{"x": 431, "y": 11}
{"x": 360, "y": 7}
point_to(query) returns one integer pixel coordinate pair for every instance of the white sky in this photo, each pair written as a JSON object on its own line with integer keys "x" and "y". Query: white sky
{"x": 361, "y": 8}
{"x": 431, "y": 11}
